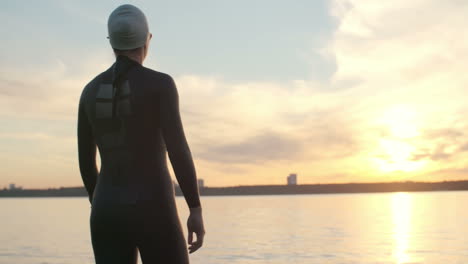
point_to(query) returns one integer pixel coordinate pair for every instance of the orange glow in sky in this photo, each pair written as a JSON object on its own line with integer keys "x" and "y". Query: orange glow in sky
{"x": 349, "y": 94}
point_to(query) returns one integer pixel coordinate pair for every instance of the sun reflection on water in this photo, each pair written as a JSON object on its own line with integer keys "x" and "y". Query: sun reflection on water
{"x": 401, "y": 210}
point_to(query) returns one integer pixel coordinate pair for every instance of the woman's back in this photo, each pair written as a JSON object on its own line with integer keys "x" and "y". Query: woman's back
{"x": 132, "y": 135}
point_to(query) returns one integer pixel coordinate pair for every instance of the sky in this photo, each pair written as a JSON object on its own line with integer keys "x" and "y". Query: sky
{"x": 334, "y": 90}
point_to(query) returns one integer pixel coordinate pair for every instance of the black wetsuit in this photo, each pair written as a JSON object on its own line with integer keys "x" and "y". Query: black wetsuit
{"x": 132, "y": 114}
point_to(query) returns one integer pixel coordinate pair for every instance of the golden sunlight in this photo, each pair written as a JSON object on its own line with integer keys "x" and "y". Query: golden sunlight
{"x": 401, "y": 210}
{"x": 401, "y": 121}
{"x": 397, "y": 157}
{"x": 394, "y": 150}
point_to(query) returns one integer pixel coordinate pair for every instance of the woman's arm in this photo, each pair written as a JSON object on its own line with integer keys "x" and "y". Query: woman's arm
{"x": 176, "y": 143}
{"x": 86, "y": 151}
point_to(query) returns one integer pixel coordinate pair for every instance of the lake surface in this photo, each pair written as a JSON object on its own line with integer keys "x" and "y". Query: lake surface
{"x": 428, "y": 227}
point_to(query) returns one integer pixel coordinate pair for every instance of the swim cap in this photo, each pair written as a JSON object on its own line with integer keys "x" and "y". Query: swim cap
{"x": 127, "y": 28}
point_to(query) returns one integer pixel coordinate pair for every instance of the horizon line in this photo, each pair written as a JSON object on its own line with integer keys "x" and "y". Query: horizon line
{"x": 256, "y": 185}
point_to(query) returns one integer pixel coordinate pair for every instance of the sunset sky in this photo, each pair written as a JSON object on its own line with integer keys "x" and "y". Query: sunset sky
{"x": 335, "y": 91}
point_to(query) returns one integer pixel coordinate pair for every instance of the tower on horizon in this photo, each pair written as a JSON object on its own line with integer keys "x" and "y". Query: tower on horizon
{"x": 13, "y": 187}
{"x": 292, "y": 179}
{"x": 201, "y": 183}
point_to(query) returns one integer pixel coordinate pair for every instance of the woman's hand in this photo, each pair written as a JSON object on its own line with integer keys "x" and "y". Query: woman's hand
{"x": 195, "y": 225}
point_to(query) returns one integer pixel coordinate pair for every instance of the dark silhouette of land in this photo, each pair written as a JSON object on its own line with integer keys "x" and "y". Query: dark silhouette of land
{"x": 407, "y": 186}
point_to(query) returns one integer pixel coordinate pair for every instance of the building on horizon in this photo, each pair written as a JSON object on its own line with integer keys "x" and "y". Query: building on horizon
{"x": 201, "y": 183}
{"x": 292, "y": 179}
{"x": 13, "y": 187}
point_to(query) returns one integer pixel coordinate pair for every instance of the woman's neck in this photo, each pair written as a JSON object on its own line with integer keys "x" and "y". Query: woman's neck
{"x": 135, "y": 57}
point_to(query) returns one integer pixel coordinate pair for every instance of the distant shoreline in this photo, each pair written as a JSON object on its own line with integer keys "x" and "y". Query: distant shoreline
{"x": 407, "y": 186}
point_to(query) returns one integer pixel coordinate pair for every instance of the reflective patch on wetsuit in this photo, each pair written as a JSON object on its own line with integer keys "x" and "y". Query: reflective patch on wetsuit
{"x": 105, "y": 91}
{"x": 104, "y": 110}
{"x": 124, "y": 107}
{"x": 125, "y": 88}
{"x": 112, "y": 140}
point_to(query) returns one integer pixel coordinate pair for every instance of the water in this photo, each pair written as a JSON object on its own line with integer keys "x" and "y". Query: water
{"x": 428, "y": 227}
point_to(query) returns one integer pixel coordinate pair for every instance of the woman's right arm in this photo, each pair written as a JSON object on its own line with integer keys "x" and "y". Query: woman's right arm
{"x": 182, "y": 162}
{"x": 176, "y": 143}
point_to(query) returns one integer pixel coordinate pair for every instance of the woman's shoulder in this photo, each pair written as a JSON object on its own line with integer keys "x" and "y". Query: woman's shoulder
{"x": 94, "y": 83}
{"x": 156, "y": 74}
{"x": 163, "y": 82}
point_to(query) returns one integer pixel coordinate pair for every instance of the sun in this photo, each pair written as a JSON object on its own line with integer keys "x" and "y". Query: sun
{"x": 401, "y": 120}
{"x": 397, "y": 156}
{"x": 394, "y": 148}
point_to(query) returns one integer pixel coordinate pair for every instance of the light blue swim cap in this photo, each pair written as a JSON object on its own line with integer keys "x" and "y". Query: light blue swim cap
{"x": 127, "y": 28}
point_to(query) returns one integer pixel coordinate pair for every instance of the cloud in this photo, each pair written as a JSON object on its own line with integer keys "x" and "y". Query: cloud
{"x": 227, "y": 121}
{"x": 266, "y": 146}
{"x": 49, "y": 92}
{"x": 410, "y": 53}
{"x": 464, "y": 147}
{"x": 399, "y": 58}
{"x": 387, "y": 44}
{"x": 441, "y": 144}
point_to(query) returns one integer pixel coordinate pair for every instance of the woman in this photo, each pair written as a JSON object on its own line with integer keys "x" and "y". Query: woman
{"x": 132, "y": 114}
